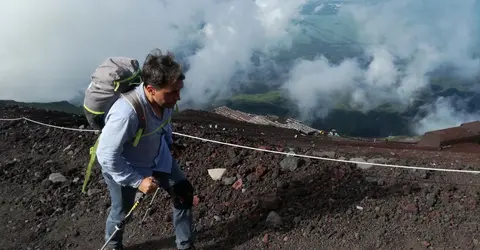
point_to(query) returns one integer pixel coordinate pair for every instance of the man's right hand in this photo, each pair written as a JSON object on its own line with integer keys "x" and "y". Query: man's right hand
{"x": 148, "y": 185}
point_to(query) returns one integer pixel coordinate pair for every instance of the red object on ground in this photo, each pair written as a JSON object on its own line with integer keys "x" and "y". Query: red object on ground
{"x": 196, "y": 200}
{"x": 238, "y": 184}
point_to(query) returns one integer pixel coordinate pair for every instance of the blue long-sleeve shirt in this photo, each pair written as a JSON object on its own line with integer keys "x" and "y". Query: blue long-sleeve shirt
{"x": 128, "y": 164}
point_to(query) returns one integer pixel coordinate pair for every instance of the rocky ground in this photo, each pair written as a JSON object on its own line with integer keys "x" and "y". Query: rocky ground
{"x": 283, "y": 202}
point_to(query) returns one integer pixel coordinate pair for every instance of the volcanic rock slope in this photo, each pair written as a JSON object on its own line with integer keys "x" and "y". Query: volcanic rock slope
{"x": 283, "y": 202}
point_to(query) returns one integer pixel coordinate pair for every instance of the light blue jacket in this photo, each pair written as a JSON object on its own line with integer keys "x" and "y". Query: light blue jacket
{"x": 128, "y": 164}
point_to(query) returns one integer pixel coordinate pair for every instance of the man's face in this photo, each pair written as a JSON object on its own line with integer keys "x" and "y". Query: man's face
{"x": 168, "y": 96}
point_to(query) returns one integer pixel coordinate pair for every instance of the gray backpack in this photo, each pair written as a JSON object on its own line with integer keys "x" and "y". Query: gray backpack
{"x": 116, "y": 77}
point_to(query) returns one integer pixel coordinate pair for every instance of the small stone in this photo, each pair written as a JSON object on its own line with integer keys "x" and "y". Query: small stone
{"x": 260, "y": 171}
{"x": 273, "y": 220}
{"x": 411, "y": 208}
{"x": 238, "y": 184}
{"x": 431, "y": 199}
{"x": 12, "y": 162}
{"x": 476, "y": 242}
{"x": 196, "y": 200}
{"x": 361, "y": 165}
{"x": 217, "y": 218}
{"x": 198, "y": 228}
{"x": 216, "y": 173}
{"x": 265, "y": 238}
{"x": 229, "y": 180}
{"x": 289, "y": 163}
{"x": 371, "y": 179}
{"x": 281, "y": 184}
{"x": 57, "y": 177}
{"x": 93, "y": 191}
{"x": 231, "y": 153}
{"x": 297, "y": 219}
{"x": 447, "y": 218}
{"x": 423, "y": 174}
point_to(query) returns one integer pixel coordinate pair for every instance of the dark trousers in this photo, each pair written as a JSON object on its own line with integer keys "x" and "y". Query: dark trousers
{"x": 123, "y": 198}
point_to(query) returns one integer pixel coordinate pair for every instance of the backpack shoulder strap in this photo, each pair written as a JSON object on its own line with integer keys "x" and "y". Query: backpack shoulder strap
{"x": 133, "y": 98}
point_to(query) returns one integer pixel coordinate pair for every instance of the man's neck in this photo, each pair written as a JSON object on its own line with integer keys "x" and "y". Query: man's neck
{"x": 157, "y": 109}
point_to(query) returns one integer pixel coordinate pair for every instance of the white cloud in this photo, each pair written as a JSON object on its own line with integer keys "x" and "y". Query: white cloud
{"x": 49, "y": 48}
{"x": 233, "y": 32}
{"x": 316, "y": 86}
{"x": 445, "y": 112}
{"x": 406, "y": 40}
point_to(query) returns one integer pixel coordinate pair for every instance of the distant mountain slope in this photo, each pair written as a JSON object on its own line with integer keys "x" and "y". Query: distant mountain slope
{"x": 383, "y": 121}
{"x": 63, "y": 106}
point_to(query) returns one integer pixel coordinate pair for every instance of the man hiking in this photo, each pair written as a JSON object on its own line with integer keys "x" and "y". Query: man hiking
{"x": 149, "y": 164}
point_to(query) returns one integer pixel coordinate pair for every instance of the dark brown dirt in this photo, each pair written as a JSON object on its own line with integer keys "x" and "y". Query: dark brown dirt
{"x": 322, "y": 204}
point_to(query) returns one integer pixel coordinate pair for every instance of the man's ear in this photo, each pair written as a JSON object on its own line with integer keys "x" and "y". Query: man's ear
{"x": 150, "y": 89}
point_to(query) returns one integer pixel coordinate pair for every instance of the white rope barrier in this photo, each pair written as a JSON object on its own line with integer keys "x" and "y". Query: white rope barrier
{"x": 269, "y": 151}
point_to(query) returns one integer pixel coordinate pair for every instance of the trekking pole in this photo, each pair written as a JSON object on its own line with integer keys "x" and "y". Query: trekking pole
{"x": 149, "y": 206}
{"x": 119, "y": 226}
